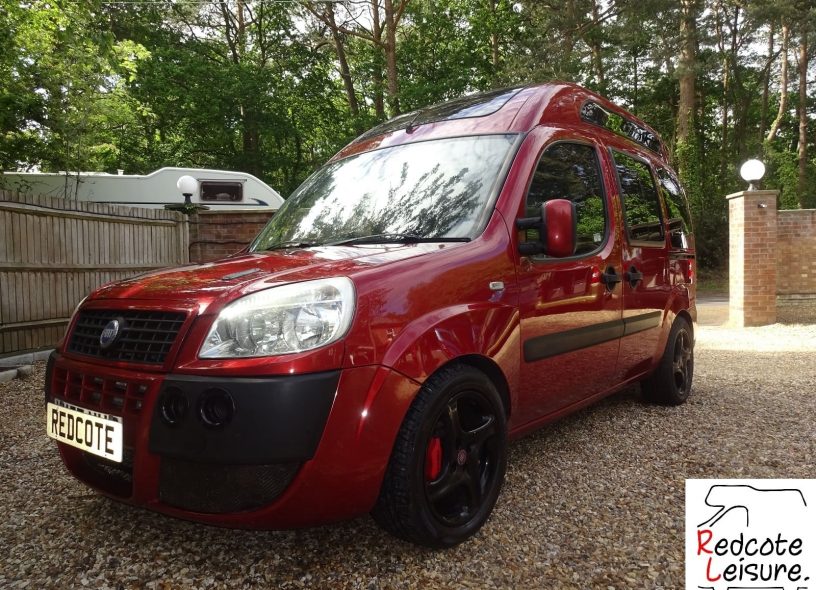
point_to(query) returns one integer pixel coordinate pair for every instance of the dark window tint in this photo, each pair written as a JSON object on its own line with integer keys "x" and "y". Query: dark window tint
{"x": 221, "y": 191}
{"x": 641, "y": 204}
{"x": 474, "y": 105}
{"x": 676, "y": 203}
{"x": 570, "y": 171}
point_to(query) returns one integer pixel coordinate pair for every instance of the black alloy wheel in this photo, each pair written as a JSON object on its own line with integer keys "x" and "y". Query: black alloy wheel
{"x": 448, "y": 462}
{"x": 683, "y": 363}
{"x": 670, "y": 384}
{"x": 461, "y": 458}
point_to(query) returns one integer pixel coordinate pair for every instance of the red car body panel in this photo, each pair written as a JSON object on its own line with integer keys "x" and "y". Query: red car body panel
{"x": 419, "y": 307}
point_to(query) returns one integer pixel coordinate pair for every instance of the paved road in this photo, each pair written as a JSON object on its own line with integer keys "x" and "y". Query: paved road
{"x": 712, "y": 310}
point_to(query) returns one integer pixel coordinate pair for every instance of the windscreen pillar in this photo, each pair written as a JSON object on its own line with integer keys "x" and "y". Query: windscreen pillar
{"x": 752, "y": 258}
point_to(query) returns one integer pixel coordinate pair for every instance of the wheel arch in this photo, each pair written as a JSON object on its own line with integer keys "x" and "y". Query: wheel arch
{"x": 483, "y": 336}
{"x": 493, "y": 372}
{"x": 684, "y": 313}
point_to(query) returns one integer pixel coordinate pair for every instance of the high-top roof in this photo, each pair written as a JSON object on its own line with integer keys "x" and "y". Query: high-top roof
{"x": 510, "y": 110}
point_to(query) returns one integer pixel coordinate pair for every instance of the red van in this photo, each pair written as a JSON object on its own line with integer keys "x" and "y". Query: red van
{"x": 452, "y": 279}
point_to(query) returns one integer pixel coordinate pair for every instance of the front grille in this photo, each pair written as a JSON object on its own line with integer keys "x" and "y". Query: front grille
{"x": 145, "y": 336}
{"x": 98, "y": 392}
{"x": 119, "y": 472}
{"x": 214, "y": 488}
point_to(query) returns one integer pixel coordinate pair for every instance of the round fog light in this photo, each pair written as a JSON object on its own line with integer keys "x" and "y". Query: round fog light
{"x": 216, "y": 407}
{"x": 173, "y": 406}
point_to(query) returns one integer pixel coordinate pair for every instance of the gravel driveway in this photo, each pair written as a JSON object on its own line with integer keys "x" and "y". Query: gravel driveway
{"x": 593, "y": 501}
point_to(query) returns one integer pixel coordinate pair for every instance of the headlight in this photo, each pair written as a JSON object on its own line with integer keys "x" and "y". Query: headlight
{"x": 282, "y": 320}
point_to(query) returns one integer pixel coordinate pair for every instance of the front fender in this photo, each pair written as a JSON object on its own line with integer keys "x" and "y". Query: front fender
{"x": 488, "y": 329}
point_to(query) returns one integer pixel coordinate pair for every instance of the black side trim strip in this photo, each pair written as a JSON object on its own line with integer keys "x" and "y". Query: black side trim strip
{"x": 543, "y": 347}
{"x": 639, "y": 323}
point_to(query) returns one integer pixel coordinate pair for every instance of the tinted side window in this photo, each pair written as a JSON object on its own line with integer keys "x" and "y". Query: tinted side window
{"x": 641, "y": 204}
{"x": 570, "y": 171}
{"x": 677, "y": 205}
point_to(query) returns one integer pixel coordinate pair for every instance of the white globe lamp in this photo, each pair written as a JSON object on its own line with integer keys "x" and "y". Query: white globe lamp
{"x": 187, "y": 185}
{"x": 752, "y": 171}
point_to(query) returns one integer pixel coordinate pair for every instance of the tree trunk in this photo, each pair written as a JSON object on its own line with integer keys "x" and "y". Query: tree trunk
{"x": 688, "y": 64}
{"x": 494, "y": 46}
{"x": 391, "y": 58}
{"x": 595, "y": 47}
{"x": 766, "y": 84}
{"x": 345, "y": 72}
{"x": 241, "y": 33}
{"x": 720, "y": 28}
{"x": 494, "y": 42}
{"x": 568, "y": 37}
{"x": 376, "y": 31}
{"x": 740, "y": 102}
{"x": 635, "y": 80}
{"x": 783, "y": 85}
{"x": 250, "y": 132}
{"x": 803, "y": 119}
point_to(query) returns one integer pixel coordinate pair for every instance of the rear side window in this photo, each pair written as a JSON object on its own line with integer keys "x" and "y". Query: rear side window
{"x": 677, "y": 205}
{"x": 641, "y": 203}
{"x": 570, "y": 171}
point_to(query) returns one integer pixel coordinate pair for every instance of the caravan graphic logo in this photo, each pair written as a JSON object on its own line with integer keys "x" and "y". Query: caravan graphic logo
{"x": 755, "y": 534}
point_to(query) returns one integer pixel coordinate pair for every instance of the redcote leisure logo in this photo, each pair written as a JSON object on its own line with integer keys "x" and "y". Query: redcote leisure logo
{"x": 757, "y": 534}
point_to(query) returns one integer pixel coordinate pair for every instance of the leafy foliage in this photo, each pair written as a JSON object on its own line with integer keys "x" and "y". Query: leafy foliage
{"x": 275, "y": 88}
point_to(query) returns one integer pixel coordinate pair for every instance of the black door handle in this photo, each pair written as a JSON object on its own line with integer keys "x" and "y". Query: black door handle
{"x": 610, "y": 277}
{"x": 634, "y": 276}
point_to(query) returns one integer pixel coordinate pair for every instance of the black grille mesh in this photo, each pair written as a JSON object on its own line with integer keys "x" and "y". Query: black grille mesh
{"x": 95, "y": 392}
{"x": 121, "y": 472}
{"x": 146, "y": 336}
{"x": 214, "y": 488}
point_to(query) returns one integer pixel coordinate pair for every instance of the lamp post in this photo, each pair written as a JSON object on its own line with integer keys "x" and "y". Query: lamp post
{"x": 187, "y": 186}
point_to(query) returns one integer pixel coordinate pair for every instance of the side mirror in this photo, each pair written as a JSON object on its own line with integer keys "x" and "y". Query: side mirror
{"x": 556, "y": 227}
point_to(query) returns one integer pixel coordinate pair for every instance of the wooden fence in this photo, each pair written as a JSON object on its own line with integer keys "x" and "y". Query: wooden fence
{"x": 53, "y": 252}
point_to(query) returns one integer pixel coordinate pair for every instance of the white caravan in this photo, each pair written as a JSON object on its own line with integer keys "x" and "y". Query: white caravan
{"x": 217, "y": 189}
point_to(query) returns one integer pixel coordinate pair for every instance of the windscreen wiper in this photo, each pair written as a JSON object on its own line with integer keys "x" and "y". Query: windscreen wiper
{"x": 290, "y": 244}
{"x": 395, "y": 238}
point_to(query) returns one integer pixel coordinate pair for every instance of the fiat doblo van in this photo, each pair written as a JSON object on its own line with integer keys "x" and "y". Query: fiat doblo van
{"x": 452, "y": 279}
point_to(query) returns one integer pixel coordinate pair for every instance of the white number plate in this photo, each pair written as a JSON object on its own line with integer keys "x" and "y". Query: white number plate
{"x": 100, "y": 434}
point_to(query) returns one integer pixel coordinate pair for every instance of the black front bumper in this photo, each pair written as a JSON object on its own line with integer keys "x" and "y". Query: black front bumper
{"x": 275, "y": 425}
{"x": 274, "y": 419}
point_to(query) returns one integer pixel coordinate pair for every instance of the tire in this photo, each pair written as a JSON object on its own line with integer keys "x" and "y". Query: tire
{"x": 670, "y": 384}
{"x": 448, "y": 461}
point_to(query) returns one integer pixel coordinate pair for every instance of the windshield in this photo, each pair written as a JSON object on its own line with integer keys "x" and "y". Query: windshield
{"x": 431, "y": 189}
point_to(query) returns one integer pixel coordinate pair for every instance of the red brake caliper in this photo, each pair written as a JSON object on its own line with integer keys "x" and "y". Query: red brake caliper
{"x": 433, "y": 459}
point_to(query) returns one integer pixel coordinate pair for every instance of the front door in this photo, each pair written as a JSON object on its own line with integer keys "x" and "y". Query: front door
{"x": 570, "y": 319}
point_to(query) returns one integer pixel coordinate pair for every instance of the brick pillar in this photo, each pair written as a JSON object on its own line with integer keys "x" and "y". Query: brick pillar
{"x": 752, "y": 256}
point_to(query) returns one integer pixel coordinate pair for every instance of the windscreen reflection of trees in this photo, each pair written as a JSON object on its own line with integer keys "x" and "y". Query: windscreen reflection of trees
{"x": 640, "y": 201}
{"x": 430, "y": 189}
{"x": 570, "y": 171}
